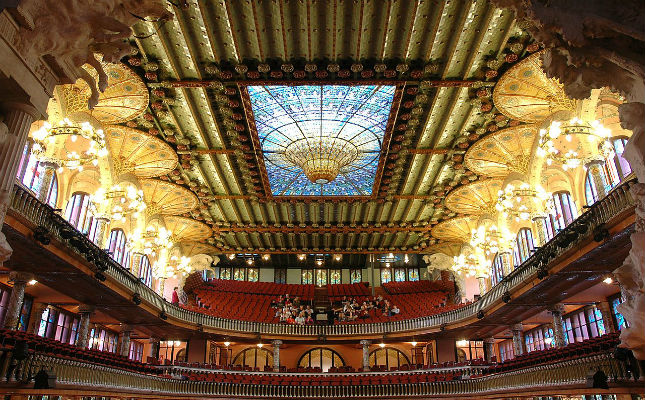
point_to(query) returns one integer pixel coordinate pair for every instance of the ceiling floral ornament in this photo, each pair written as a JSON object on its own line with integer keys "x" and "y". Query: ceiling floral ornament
{"x": 457, "y": 229}
{"x": 167, "y": 198}
{"x": 474, "y": 198}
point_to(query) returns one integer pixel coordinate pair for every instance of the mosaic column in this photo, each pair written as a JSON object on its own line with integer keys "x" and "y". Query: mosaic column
{"x": 84, "y": 325}
{"x": 518, "y": 339}
{"x": 37, "y": 312}
{"x": 154, "y": 348}
{"x": 101, "y": 231}
{"x": 482, "y": 285}
{"x": 539, "y": 223}
{"x": 14, "y": 306}
{"x": 124, "y": 343}
{"x": 594, "y": 168}
{"x": 558, "y": 332}
{"x": 506, "y": 263}
{"x": 489, "y": 349}
{"x": 366, "y": 354}
{"x": 136, "y": 263}
{"x": 276, "y": 354}
{"x": 13, "y": 134}
{"x": 607, "y": 316}
{"x": 46, "y": 180}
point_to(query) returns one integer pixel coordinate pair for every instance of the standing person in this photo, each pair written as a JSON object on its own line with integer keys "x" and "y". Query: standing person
{"x": 175, "y": 296}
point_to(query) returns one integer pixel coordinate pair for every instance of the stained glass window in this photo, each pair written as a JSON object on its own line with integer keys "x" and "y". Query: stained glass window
{"x": 334, "y": 276}
{"x": 343, "y": 125}
{"x": 356, "y": 276}
{"x": 386, "y": 275}
{"x": 523, "y": 246}
{"x": 321, "y": 277}
{"x": 399, "y": 274}
{"x": 252, "y": 275}
{"x": 413, "y": 274}
{"x": 307, "y": 277}
{"x": 621, "y": 323}
{"x": 238, "y": 274}
{"x": 225, "y": 273}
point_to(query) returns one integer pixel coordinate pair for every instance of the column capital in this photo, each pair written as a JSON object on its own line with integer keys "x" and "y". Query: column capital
{"x": 490, "y": 340}
{"x": 556, "y": 308}
{"x": 49, "y": 164}
{"x": 517, "y": 327}
{"x": 126, "y": 328}
{"x": 594, "y": 162}
{"x": 276, "y": 343}
{"x": 365, "y": 343}
{"x": 20, "y": 106}
{"x": 20, "y": 277}
{"x": 86, "y": 309}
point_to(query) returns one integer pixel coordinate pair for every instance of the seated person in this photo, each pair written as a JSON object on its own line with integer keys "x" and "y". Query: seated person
{"x": 394, "y": 310}
{"x": 308, "y": 310}
{"x": 300, "y": 319}
{"x": 309, "y": 320}
{"x": 290, "y": 319}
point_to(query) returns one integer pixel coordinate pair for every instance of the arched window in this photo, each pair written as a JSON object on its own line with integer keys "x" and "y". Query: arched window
{"x": 254, "y": 357}
{"x": 145, "y": 271}
{"x": 399, "y": 274}
{"x": 497, "y": 269}
{"x": 523, "y": 246}
{"x": 116, "y": 246}
{"x": 564, "y": 212}
{"x": 78, "y": 212}
{"x": 32, "y": 172}
{"x": 322, "y": 358}
{"x": 386, "y": 275}
{"x": 617, "y": 166}
{"x": 388, "y": 357}
{"x": 355, "y": 275}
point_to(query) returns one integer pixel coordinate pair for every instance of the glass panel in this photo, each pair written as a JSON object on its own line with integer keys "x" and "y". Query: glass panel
{"x": 225, "y": 273}
{"x": 413, "y": 274}
{"x": 252, "y": 275}
{"x": 334, "y": 276}
{"x": 399, "y": 274}
{"x": 354, "y": 116}
{"x": 307, "y": 277}
{"x": 356, "y": 276}
{"x": 386, "y": 275}
{"x": 238, "y": 274}
{"x": 321, "y": 277}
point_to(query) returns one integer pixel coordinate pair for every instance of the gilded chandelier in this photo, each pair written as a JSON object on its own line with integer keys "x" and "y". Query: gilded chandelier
{"x": 88, "y": 144}
{"x": 119, "y": 202}
{"x": 321, "y": 157}
{"x": 574, "y": 143}
{"x": 523, "y": 202}
{"x": 490, "y": 240}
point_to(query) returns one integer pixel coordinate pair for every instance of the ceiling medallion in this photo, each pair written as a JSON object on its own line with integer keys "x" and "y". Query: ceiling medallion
{"x": 321, "y": 158}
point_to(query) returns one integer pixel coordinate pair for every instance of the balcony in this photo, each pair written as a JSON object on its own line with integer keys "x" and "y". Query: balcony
{"x": 49, "y": 226}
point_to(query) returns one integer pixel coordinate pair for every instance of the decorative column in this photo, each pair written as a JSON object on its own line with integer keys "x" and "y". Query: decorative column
{"x": 558, "y": 332}
{"x": 36, "y": 316}
{"x": 482, "y": 285}
{"x": 366, "y": 354}
{"x": 276, "y": 354}
{"x": 14, "y": 306}
{"x": 101, "y": 231}
{"x": 607, "y": 316}
{"x": 594, "y": 168}
{"x": 46, "y": 180}
{"x": 154, "y": 348}
{"x": 518, "y": 339}
{"x": 539, "y": 223}
{"x": 13, "y": 134}
{"x": 124, "y": 342}
{"x": 489, "y": 349}
{"x": 84, "y": 325}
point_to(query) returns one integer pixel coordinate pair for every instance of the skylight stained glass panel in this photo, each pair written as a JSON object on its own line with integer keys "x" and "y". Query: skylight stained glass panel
{"x": 342, "y": 128}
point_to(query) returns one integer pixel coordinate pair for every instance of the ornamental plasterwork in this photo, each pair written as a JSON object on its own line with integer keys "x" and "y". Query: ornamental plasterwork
{"x": 475, "y": 198}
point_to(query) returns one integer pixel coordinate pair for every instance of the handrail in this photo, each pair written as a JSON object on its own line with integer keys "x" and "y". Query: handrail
{"x": 78, "y": 375}
{"x": 45, "y": 218}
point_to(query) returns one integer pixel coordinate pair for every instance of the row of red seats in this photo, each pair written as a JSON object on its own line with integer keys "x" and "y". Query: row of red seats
{"x": 421, "y": 286}
{"x": 357, "y": 290}
{"x": 587, "y": 347}
{"x": 305, "y": 292}
{"x": 321, "y": 380}
{"x": 54, "y": 348}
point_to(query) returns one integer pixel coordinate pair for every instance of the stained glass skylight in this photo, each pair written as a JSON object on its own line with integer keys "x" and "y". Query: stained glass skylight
{"x": 321, "y": 140}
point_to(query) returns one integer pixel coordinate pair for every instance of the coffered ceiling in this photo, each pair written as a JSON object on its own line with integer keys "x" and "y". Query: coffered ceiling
{"x": 442, "y": 56}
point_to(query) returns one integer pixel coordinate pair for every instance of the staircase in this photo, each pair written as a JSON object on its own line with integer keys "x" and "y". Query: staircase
{"x": 321, "y": 300}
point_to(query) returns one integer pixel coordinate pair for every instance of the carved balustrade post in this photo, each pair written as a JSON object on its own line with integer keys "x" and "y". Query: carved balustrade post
{"x": 366, "y": 354}
{"x": 558, "y": 331}
{"x": 14, "y": 306}
{"x": 85, "y": 311}
{"x": 518, "y": 339}
{"x": 14, "y": 129}
{"x": 276, "y": 354}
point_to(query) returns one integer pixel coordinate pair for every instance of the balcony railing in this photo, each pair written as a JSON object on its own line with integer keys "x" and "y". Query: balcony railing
{"x": 78, "y": 375}
{"x": 48, "y": 221}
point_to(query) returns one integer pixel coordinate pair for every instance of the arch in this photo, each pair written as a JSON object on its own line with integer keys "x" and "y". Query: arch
{"x": 117, "y": 246}
{"x": 78, "y": 213}
{"x": 523, "y": 246}
{"x": 254, "y": 357}
{"x": 497, "y": 269}
{"x": 390, "y": 357}
{"x": 145, "y": 271}
{"x": 321, "y": 357}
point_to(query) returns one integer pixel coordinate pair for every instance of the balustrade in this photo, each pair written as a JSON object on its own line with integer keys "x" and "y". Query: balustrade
{"x": 43, "y": 216}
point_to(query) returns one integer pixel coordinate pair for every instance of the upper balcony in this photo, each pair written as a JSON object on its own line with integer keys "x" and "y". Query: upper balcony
{"x": 46, "y": 244}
